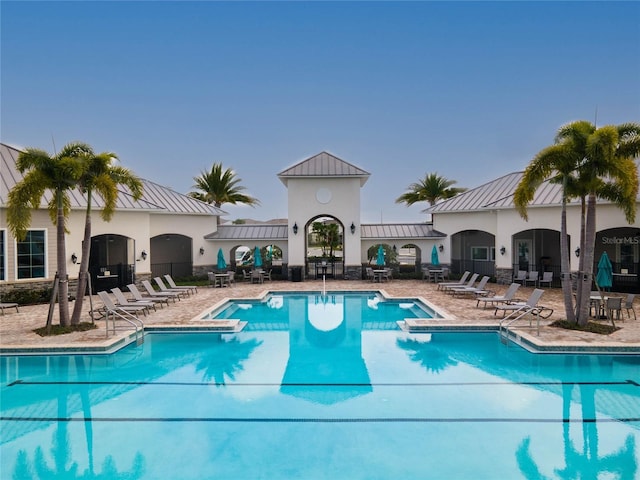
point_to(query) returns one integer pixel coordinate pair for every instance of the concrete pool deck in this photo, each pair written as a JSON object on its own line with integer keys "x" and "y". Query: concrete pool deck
{"x": 17, "y": 336}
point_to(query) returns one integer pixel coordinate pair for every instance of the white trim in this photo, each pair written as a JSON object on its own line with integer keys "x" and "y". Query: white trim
{"x": 4, "y": 269}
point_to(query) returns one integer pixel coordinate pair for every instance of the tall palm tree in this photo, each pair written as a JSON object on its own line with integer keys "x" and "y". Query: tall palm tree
{"x": 430, "y": 189}
{"x": 219, "y": 186}
{"x": 558, "y": 163}
{"x": 104, "y": 178}
{"x": 590, "y": 163}
{"x": 58, "y": 174}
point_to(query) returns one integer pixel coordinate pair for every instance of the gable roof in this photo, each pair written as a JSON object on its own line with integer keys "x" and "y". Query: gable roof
{"x": 155, "y": 198}
{"x": 323, "y": 164}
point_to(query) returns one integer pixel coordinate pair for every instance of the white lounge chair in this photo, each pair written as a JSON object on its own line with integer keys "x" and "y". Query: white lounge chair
{"x": 477, "y": 290}
{"x": 530, "y": 306}
{"x": 160, "y": 299}
{"x": 547, "y": 277}
{"x": 469, "y": 284}
{"x": 164, "y": 289}
{"x": 498, "y": 299}
{"x": 520, "y": 277}
{"x": 112, "y": 307}
{"x": 124, "y": 301}
{"x": 8, "y": 305}
{"x": 459, "y": 283}
{"x": 152, "y": 293}
{"x": 173, "y": 286}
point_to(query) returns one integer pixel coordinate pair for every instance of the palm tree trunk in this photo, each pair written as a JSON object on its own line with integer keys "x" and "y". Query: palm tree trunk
{"x": 83, "y": 275}
{"x": 587, "y": 266}
{"x": 565, "y": 268}
{"x": 583, "y": 219}
{"x": 63, "y": 291}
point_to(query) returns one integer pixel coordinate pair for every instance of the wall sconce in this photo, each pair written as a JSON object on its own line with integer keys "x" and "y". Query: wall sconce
{"x": 74, "y": 258}
{"x": 295, "y": 228}
{"x": 395, "y": 250}
{"x": 577, "y": 252}
{"x": 201, "y": 250}
{"x": 143, "y": 254}
{"x": 441, "y": 248}
{"x": 503, "y": 250}
{"x": 353, "y": 228}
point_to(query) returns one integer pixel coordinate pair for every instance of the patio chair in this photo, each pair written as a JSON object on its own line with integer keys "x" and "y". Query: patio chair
{"x": 164, "y": 289}
{"x": 469, "y": 284}
{"x": 257, "y": 276}
{"x": 628, "y": 305}
{"x": 477, "y": 290}
{"x": 112, "y": 307}
{"x": 614, "y": 306}
{"x": 266, "y": 276}
{"x": 532, "y": 277}
{"x": 246, "y": 276}
{"x": 152, "y": 293}
{"x": 498, "y": 299}
{"x": 530, "y": 306}
{"x": 459, "y": 283}
{"x": 138, "y": 296}
{"x": 520, "y": 277}
{"x": 547, "y": 277}
{"x": 8, "y": 305}
{"x": 212, "y": 279}
{"x": 121, "y": 300}
{"x": 173, "y": 286}
{"x": 369, "y": 273}
{"x": 387, "y": 275}
{"x": 232, "y": 278}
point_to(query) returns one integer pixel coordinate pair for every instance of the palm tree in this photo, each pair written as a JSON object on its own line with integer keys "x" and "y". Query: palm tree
{"x": 220, "y": 186}
{"x": 58, "y": 174}
{"x": 430, "y": 189}
{"x": 104, "y": 178}
{"x": 590, "y": 163}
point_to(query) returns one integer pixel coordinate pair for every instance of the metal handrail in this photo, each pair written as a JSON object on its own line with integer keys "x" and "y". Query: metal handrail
{"x": 523, "y": 310}
{"x": 134, "y": 321}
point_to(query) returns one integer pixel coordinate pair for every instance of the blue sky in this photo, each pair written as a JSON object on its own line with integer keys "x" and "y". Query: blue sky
{"x": 470, "y": 90}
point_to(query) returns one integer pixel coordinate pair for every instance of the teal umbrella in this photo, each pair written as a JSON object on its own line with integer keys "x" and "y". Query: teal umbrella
{"x": 380, "y": 259}
{"x": 257, "y": 258}
{"x": 604, "y": 278}
{"x": 222, "y": 264}
{"x": 434, "y": 256}
{"x": 270, "y": 253}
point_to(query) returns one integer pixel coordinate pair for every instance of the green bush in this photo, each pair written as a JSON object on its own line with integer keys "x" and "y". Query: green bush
{"x": 27, "y": 297}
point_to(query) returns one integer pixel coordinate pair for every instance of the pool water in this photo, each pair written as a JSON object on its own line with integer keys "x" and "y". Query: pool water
{"x": 358, "y": 399}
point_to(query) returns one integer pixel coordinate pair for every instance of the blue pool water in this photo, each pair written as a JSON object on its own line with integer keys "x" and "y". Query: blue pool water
{"x": 300, "y": 399}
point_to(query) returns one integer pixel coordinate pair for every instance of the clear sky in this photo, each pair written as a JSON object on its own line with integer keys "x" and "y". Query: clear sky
{"x": 470, "y": 90}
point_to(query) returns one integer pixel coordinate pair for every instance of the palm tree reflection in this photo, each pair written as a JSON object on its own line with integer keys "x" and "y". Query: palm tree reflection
{"x": 427, "y": 354}
{"x": 226, "y": 359}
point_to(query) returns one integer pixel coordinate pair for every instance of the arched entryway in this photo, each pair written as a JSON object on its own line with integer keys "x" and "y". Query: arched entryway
{"x": 171, "y": 253}
{"x": 537, "y": 250}
{"x": 475, "y": 251}
{"x": 111, "y": 262}
{"x": 623, "y": 248}
{"x": 325, "y": 247}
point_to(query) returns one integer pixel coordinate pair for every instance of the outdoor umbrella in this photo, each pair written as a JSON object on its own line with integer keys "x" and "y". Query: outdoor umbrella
{"x": 257, "y": 258}
{"x": 380, "y": 259}
{"x": 222, "y": 264}
{"x": 604, "y": 278}
{"x": 270, "y": 253}
{"x": 434, "y": 256}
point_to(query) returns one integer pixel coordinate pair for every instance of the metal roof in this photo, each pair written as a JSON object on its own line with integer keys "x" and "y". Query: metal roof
{"x": 250, "y": 232}
{"x": 155, "y": 198}
{"x": 399, "y": 230}
{"x": 324, "y": 164}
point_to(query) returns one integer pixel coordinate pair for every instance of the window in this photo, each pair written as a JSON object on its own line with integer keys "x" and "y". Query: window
{"x": 3, "y": 256}
{"x": 479, "y": 253}
{"x": 31, "y": 255}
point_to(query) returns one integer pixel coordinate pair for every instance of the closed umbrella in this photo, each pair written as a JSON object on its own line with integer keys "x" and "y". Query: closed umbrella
{"x": 222, "y": 264}
{"x": 270, "y": 253}
{"x": 257, "y": 258}
{"x": 380, "y": 259}
{"x": 434, "y": 256}
{"x": 604, "y": 278}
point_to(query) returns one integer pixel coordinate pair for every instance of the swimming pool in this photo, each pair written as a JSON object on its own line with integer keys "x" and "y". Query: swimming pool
{"x": 361, "y": 400}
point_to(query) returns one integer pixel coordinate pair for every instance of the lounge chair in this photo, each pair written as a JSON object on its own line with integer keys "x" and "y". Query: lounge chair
{"x": 530, "y": 306}
{"x": 477, "y": 290}
{"x": 112, "y": 307}
{"x": 173, "y": 286}
{"x": 532, "y": 277}
{"x": 459, "y": 283}
{"x": 160, "y": 299}
{"x": 469, "y": 284}
{"x": 121, "y": 300}
{"x": 547, "y": 277}
{"x": 499, "y": 299}
{"x": 152, "y": 293}
{"x": 164, "y": 289}
{"x": 8, "y": 305}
